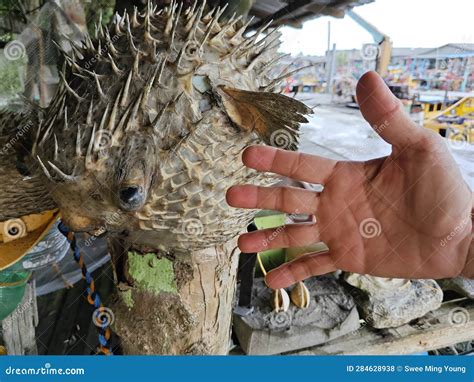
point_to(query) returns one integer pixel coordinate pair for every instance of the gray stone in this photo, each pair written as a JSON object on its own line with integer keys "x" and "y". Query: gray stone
{"x": 460, "y": 285}
{"x": 331, "y": 313}
{"x": 389, "y": 303}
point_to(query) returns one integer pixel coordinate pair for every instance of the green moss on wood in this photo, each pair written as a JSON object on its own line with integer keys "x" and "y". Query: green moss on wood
{"x": 152, "y": 274}
{"x": 127, "y": 298}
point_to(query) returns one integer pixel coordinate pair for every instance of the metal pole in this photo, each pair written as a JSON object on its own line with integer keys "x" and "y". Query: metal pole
{"x": 329, "y": 35}
{"x": 331, "y": 69}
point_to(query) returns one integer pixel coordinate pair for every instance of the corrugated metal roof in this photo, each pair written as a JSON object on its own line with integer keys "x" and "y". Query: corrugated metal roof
{"x": 448, "y": 50}
{"x": 295, "y": 12}
{"x": 408, "y": 52}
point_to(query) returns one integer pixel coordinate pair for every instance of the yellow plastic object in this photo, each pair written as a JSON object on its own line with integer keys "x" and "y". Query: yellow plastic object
{"x": 18, "y": 236}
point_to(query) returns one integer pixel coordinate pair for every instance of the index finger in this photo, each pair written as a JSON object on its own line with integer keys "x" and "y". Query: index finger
{"x": 305, "y": 167}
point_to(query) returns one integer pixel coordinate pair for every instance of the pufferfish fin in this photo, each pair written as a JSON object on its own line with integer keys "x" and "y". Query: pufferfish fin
{"x": 274, "y": 117}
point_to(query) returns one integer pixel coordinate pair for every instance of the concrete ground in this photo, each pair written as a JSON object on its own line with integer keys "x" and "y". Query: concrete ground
{"x": 338, "y": 132}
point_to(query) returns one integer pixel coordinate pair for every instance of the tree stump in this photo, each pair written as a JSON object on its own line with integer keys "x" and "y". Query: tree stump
{"x": 179, "y": 305}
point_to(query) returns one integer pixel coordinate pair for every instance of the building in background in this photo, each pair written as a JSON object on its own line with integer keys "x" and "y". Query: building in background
{"x": 448, "y": 67}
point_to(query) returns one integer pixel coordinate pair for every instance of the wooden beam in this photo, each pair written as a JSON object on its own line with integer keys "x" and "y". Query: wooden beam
{"x": 282, "y": 13}
{"x": 434, "y": 331}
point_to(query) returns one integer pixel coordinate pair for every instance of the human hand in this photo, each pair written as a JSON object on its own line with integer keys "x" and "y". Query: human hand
{"x": 415, "y": 199}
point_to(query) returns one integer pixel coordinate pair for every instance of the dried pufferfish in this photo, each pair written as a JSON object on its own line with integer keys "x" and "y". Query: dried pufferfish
{"x": 147, "y": 129}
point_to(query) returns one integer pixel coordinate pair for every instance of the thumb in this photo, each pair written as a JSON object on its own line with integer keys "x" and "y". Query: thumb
{"x": 385, "y": 112}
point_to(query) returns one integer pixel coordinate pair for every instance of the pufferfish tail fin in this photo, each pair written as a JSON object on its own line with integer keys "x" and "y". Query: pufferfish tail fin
{"x": 274, "y": 117}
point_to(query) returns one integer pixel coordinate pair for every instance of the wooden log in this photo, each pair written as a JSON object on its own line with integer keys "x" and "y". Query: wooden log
{"x": 18, "y": 329}
{"x": 177, "y": 305}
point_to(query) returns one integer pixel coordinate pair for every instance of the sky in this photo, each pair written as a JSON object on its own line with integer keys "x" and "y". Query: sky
{"x": 409, "y": 23}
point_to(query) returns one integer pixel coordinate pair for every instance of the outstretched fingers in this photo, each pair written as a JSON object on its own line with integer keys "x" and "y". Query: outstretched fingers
{"x": 291, "y": 235}
{"x": 302, "y": 268}
{"x": 306, "y": 167}
{"x": 291, "y": 200}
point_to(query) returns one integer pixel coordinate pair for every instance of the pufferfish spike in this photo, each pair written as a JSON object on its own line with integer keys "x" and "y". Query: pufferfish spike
{"x": 277, "y": 80}
{"x": 78, "y": 142}
{"x": 99, "y": 86}
{"x": 56, "y": 149}
{"x": 134, "y": 20}
{"x": 175, "y": 26}
{"x": 126, "y": 89}
{"x": 62, "y": 175}
{"x": 114, "y": 66}
{"x": 238, "y": 34}
{"x": 110, "y": 44}
{"x": 169, "y": 19}
{"x": 90, "y": 153}
{"x": 69, "y": 89}
{"x": 195, "y": 20}
{"x": 45, "y": 170}
{"x": 190, "y": 11}
{"x": 118, "y": 24}
{"x": 99, "y": 29}
{"x": 208, "y": 16}
{"x": 226, "y": 28}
